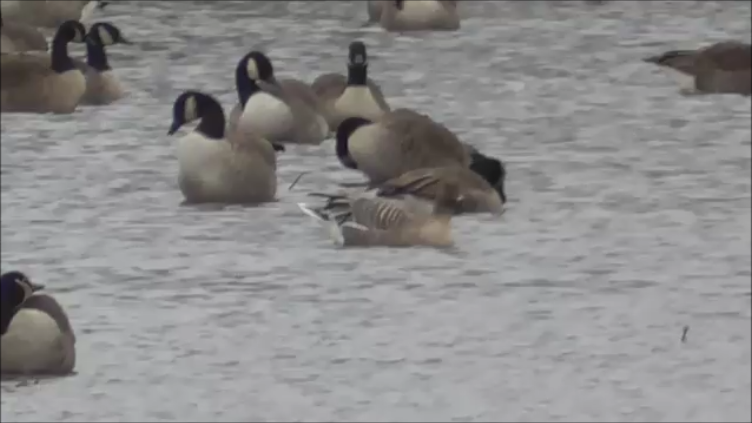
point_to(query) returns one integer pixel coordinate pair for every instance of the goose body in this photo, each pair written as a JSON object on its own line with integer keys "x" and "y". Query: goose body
{"x": 19, "y": 37}
{"x": 419, "y": 15}
{"x": 219, "y": 165}
{"x": 44, "y": 83}
{"x": 481, "y": 188}
{"x": 721, "y": 68}
{"x": 392, "y": 222}
{"x": 354, "y": 96}
{"x": 49, "y": 13}
{"x": 285, "y": 112}
{"x": 102, "y": 84}
{"x": 401, "y": 141}
{"x": 37, "y": 337}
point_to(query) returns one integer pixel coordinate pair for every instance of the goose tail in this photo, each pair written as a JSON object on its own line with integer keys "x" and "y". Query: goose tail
{"x": 331, "y": 226}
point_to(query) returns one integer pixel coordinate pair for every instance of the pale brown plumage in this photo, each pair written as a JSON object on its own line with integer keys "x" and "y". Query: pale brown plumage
{"x": 392, "y": 222}
{"x": 401, "y": 141}
{"x": 19, "y": 37}
{"x": 478, "y": 195}
{"x": 419, "y": 15}
{"x": 723, "y": 67}
{"x": 43, "y": 83}
{"x": 218, "y": 165}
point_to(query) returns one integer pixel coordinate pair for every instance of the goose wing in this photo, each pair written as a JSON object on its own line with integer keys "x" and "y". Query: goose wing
{"x": 19, "y": 69}
{"x": 730, "y": 55}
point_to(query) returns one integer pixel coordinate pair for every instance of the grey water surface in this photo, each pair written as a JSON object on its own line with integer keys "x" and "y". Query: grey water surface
{"x": 629, "y": 218}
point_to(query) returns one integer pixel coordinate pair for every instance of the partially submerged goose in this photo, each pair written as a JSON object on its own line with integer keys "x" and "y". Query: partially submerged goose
{"x": 49, "y": 13}
{"x": 217, "y": 165}
{"x": 392, "y": 222}
{"x": 419, "y": 15}
{"x": 401, "y": 141}
{"x": 280, "y": 111}
{"x": 37, "y": 337}
{"x": 19, "y": 37}
{"x": 44, "y": 83}
{"x": 102, "y": 85}
{"x": 721, "y": 68}
{"x": 354, "y": 96}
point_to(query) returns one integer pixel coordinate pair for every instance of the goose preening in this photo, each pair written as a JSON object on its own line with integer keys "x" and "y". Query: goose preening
{"x": 44, "y": 83}
{"x": 353, "y": 96}
{"x": 721, "y": 68}
{"x": 217, "y": 164}
{"x": 279, "y": 110}
{"x": 416, "y": 15}
{"x": 19, "y": 37}
{"x": 402, "y": 140}
{"x": 366, "y": 220}
{"x": 102, "y": 85}
{"x": 481, "y": 186}
{"x": 49, "y": 13}
{"x": 37, "y": 337}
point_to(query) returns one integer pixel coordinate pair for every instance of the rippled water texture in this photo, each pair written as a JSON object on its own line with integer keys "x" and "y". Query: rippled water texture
{"x": 629, "y": 218}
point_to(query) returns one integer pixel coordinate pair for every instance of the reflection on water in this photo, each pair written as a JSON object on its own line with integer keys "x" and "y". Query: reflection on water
{"x": 629, "y": 218}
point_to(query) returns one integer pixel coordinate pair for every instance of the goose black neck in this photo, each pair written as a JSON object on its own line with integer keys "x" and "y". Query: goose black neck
{"x": 7, "y": 311}
{"x": 61, "y": 62}
{"x": 212, "y": 123}
{"x": 357, "y": 74}
{"x": 96, "y": 57}
{"x": 246, "y": 86}
{"x": 7, "y": 316}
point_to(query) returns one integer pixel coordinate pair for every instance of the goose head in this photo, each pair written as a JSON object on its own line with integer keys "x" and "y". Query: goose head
{"x": 105, "y": 34}
{"x": 357, "y": 64}
{"x": 680, "y": 60}
{"x": 492, "y": 170}
{"x": 102, "y": 34}
{"x": 357, "y": 54}
{"x": 70, "y": 31}
{"x": 15, "y": 289}
{"x": 256, "y": 66}
{"x": 251, "y": 69}
{"x": 192, "y": 105}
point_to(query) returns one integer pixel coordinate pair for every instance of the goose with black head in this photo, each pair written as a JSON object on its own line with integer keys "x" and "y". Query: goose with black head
{"x": 37, "y": 337}
{"x": 44, "y": 83}
{"x": 217, "y": 164}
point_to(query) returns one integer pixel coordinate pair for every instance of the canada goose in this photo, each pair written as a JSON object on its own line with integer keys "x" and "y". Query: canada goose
{"x": 218, "y": 165}
{"x": 44, "y": 83}
{"x": 419, "y": 15}
{"x": 392, "y": 222}
{"x": 19, "y": 37}
{"x": 354, "y": 96}
{"x": 722, "y": 67}
{"x": 50, "y": 13}
{"x": 280, "y": 111}
{"x": 37, "y": 337}
{"x": 102, "y": 86}
{"x": 481, "y": 185}
{"x": 402, "y": 140}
